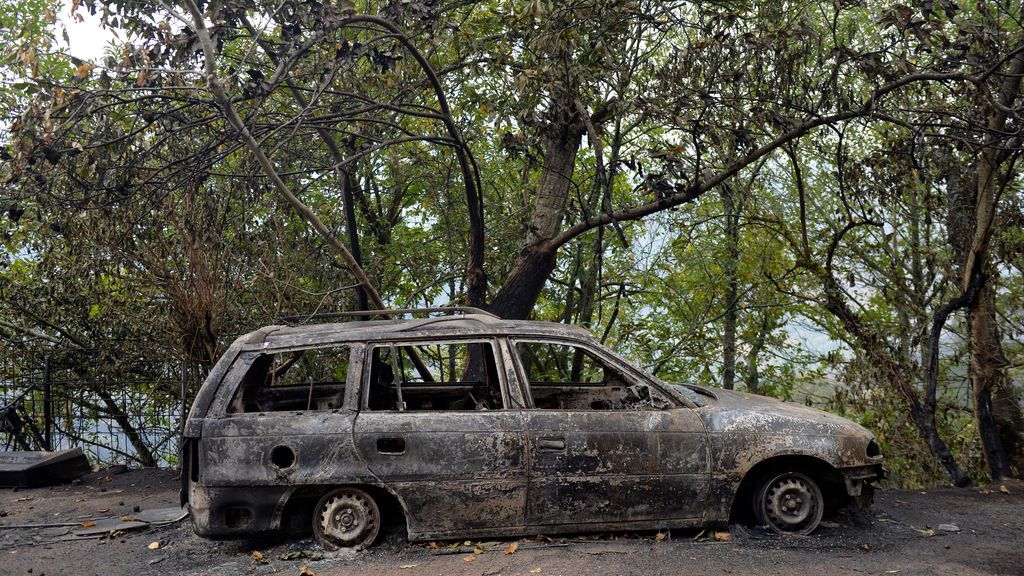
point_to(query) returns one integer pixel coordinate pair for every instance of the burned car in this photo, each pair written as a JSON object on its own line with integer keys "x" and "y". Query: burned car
{"x": 468, "y": 425}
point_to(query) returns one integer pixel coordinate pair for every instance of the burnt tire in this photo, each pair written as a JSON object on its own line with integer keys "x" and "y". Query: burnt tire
{"x": 789, "y": 503}
{"x": 346, "y": 518}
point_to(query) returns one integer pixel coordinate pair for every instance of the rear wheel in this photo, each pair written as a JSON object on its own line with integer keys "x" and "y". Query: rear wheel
{"x": 789, "y": 503}
{"x": 346, "y": 517}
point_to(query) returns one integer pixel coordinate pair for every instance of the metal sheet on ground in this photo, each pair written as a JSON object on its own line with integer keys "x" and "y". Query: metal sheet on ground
{"x": 106, "y": 525}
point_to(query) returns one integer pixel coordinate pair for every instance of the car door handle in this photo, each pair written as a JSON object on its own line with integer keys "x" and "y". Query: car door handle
{"x": 551, "y": 444}
{"x": 391, "y": 445}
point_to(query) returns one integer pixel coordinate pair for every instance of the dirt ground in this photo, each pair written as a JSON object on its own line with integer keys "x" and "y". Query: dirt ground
{"x": 900, "y": 535}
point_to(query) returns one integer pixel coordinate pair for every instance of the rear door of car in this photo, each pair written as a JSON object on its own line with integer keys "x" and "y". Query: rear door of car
{"x": 438, "y": 426}
{"x": 282, "y": 417}
{"x": 601, "y": 453}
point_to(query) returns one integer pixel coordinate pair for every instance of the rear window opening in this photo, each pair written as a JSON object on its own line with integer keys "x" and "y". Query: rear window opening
{"x": 296, "y": 380}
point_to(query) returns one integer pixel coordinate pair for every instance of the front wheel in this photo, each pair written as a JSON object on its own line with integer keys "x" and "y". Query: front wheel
{"x": 789, "y": 503}
{"x": 346, "y": 517}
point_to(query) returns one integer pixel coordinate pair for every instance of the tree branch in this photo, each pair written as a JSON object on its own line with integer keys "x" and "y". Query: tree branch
{"x": 700, "y": 188}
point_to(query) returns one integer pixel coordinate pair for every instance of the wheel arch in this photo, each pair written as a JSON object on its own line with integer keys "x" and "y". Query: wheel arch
{"x": 829, "y": 478}
{"x": 297, "y": 512}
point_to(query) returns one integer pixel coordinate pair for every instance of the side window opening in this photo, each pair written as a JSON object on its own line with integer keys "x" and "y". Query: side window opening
{"x": 434, "y": 377}
{"x": 298, "y": 380}
{"x": 566, "y": 377}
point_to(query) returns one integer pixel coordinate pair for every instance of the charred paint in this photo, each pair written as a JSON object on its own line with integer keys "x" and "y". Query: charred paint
{"x": 512, "y": 471}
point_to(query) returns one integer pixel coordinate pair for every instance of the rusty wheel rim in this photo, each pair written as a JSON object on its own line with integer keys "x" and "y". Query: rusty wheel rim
{"x": 791, "y": 503}
{"x": 347, "y": 517}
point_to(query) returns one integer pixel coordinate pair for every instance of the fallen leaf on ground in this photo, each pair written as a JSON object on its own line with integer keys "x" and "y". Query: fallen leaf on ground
{"x": 511, "y": 548}
{"x": 405, "y": 566}
{"x": 723, "y": 536}
{"x": 536, "y": 571}
{"x": 305, "y": 571}
{"x": 1004, "y": 489}
{"x": 88, "y": 524}
{"x": 469, "y": 558}
{"x": 433, "y": 545}
{"x": 659, "y": 536}
{"x": 126, "y": 518}
{"x": 155, "y": 545}
{"x": 985, "y": 491}
{"x": 865, "y": 547}
{"x": 926, "y": 533}
{"x": 258, "y": 557}
{"x": 478, "y": 550}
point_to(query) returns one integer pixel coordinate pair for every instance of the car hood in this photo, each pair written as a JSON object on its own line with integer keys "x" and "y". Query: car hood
{"x": 733, "y": 411}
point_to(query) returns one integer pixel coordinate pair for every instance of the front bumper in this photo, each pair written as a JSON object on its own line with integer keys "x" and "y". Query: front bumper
{"x": 858, "y": 477}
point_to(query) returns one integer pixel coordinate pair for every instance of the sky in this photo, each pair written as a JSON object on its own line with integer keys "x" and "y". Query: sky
{"x": 88, "y": 39}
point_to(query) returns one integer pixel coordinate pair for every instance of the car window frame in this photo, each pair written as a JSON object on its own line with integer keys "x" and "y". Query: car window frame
{"x": 366, "y": 361}
{"x": 232, "y": 379}
{"x": 625, "y": 368}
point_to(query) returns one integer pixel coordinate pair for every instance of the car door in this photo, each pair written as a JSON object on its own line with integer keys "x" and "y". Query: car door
{"x": 279, "y": 409}
{"x": 282, "y": 417}
{"x": 434, "y": 427}
{"x": 606, "y": 447}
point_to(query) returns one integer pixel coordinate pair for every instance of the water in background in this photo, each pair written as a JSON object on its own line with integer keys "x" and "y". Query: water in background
{"x": 93, "y": 410}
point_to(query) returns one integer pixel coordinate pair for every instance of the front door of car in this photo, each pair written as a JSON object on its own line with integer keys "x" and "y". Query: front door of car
{"x": 606, "y": 447}
{"x": 435, "y": 428}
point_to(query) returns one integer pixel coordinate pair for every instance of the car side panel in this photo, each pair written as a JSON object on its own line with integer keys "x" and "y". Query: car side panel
{"x": 458, "y": 471}
{"x": 240, "y": 487}
{"x": 236, "y": 450}
{"x": 616, "y": 466}
{"x": 734, "y": 454}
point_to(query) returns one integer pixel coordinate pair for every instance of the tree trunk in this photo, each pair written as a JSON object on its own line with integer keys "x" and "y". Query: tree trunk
{"x": 987, "y": 360}
{"x": 524, "y": 283}
{"x": 555, "y": 181}
{"x": 348, "y": 185}
{"x": 997, "y": 414}
{"x": 1010, "y": 424}
{"x": 988, "y": 373}
{"x": 752, "y": 373}
{"x": 896, "y": 374}
{"x": 588, "y": 283}
{"x": 731, "y": 269}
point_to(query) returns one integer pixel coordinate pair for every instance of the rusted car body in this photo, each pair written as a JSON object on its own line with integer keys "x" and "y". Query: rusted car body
{"x": 469, "y": 425}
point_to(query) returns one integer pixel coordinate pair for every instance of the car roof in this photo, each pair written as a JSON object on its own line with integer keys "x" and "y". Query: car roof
{"x": 462, "y": 326}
